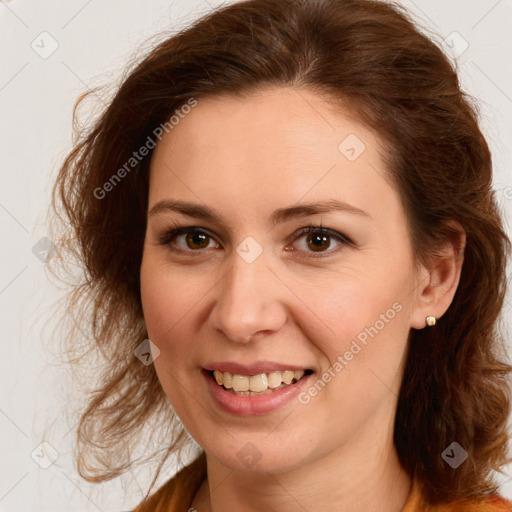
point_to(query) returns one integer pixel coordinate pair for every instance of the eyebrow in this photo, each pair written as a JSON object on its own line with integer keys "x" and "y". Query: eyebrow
{"x": 278, "y": 216}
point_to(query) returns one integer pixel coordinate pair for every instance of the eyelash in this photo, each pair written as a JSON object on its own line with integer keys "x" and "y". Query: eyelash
{"x": 166, "y": 238}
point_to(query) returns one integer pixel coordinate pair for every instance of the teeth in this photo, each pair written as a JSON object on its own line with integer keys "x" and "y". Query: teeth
{"x": 256, "y": 383}
{"x": 240, "y": 383}
{"x": 288, "y": 376}
{"x": 228, "y": 380}
{"x": 218, "y": 377}
{"x": 274, "y": 379}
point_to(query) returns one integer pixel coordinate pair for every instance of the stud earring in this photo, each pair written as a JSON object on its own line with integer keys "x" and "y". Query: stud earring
{"x": 431, "y": 321}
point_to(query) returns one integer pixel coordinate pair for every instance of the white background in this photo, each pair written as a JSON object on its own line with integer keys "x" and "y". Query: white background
{"x": 95, "y": 39}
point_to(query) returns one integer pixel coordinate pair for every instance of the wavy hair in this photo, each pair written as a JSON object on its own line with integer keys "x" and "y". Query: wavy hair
{"x": 371, "y": 58}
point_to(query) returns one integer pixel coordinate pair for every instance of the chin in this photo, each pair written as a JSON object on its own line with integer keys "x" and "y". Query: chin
{"x": 258, "y": 454}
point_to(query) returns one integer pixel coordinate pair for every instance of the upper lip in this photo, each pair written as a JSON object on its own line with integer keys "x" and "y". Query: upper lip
{"x": 252, "y": 368}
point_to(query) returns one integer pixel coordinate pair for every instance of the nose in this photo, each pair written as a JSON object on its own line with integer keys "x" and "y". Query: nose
{"x": 248, "y": 301}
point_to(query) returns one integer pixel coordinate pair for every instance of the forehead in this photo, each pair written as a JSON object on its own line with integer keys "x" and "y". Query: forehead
{"x": 272, "y": 147}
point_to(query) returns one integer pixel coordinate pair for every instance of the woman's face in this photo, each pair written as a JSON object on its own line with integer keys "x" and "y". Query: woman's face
{"x": 250, "y": 293}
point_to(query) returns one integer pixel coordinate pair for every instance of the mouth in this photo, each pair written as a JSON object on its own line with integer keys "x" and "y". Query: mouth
{"x": 259, "y": 384}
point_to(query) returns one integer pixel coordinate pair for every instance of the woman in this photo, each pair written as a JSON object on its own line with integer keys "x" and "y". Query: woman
{"x": 291, "y": 244}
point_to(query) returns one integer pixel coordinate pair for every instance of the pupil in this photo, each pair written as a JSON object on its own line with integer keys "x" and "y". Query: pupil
{"x": 319, "y": 241}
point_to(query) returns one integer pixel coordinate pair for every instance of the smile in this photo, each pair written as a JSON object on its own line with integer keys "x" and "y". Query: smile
{"x": 255, "y": 388}
{"x": 260, "y": 384}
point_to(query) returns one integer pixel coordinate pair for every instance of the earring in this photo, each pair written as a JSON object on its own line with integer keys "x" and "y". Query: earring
{"x": 431, "y": 321}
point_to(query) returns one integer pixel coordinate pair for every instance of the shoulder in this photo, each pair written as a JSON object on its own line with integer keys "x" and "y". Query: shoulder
{"x": 178, "y": 492}
{"x": 491, "y": 503}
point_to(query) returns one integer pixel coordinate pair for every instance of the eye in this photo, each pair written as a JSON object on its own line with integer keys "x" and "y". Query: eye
{"x": 315, "y": 240}
{"x": 188, "y": 239}
{"x": 319, "y": 240}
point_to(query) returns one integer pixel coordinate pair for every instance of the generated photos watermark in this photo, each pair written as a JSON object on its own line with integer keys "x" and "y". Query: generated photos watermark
{"x": 355, "y": 348}
{"x": 144, "y": 150}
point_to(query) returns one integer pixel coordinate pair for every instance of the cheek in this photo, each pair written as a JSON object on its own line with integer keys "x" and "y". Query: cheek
{"x": 365, "y": 318}
{"x": 168, "y": 302}
{"x": 359, "y": 308}
{"x": 167, "y": 293}
{"x": 362, "y": 368}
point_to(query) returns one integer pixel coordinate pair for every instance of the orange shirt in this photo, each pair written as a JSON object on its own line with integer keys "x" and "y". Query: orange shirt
{"x": 177, "y": 495}
{"x": 493, "y": 503}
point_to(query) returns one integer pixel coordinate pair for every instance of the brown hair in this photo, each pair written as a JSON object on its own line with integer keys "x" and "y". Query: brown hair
{"x": 369, "y": 56}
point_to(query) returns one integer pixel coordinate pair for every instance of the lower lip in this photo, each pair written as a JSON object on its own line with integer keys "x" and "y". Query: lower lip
{"x": 253, "y": 405}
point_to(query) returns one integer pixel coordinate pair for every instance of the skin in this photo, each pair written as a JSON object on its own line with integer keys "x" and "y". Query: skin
{"x": 245, "y": 158}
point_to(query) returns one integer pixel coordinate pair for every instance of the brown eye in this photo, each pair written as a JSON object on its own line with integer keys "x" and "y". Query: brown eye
{"x": 318, "y": 242}
{"x": 188, "y": 239}
{"x": 197, "y": 240}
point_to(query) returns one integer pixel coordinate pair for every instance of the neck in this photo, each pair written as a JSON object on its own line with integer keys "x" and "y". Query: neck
{"x": 362, "y": 475}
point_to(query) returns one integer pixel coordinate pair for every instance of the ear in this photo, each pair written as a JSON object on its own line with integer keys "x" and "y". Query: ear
{"x": 437, "y": 282}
